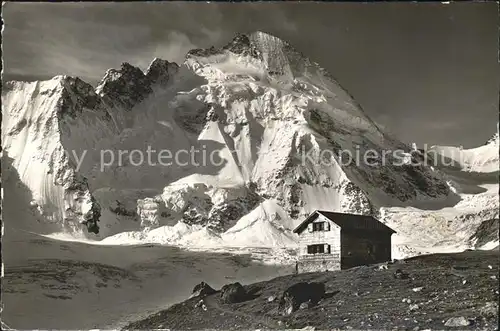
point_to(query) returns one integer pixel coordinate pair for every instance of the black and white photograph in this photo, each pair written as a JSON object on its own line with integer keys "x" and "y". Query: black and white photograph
{"x": 259, "y": 165}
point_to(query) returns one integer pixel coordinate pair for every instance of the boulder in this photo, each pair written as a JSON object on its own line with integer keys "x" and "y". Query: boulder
{"x": 305, "y": 305}
{"x": 202, "y": 289}
{"x": 414, "y": 307}
{"x": 300, "y": 293}
{"x": 457, "y": 321}
{"x": 233, "y": 293}
{"x": 400, "y": 274}
{"x": 201, "y": 304}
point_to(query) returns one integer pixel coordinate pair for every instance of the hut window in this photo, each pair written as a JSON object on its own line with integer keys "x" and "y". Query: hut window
{"x": 318, "y": 249}
{"x": 319, "y": 226}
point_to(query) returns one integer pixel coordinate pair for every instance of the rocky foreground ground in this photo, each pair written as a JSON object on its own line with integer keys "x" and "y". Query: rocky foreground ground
{"x": 434, "y": 292}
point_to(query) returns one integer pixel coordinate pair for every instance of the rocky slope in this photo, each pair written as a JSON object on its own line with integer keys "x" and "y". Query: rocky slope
{"x": 271, "y": 132}
{"x": 435, "y": 292}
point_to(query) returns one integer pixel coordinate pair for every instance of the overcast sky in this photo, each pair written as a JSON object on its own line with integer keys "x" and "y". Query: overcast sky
{"x": 427, "y": 72}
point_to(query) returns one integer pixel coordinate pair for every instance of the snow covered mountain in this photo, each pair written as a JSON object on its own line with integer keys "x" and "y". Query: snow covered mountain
{"x": 480, "y": 159}
{"x": 271, "y": 131}
{"x": 473, "y": 222}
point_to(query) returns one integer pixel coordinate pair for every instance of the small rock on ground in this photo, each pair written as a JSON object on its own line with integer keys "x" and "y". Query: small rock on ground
{"x": 457, "y": 321}
{"x": 414, "y": 307}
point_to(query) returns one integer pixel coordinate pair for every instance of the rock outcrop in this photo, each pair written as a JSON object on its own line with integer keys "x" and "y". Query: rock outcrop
{"x": 233, "y": 293}
{"x": 298, "y": 294}
{"x": 202, "y": 289}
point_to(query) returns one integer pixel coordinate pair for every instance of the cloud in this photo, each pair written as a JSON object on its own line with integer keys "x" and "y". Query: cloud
{"x": 85, "y": 39}
{"x": 44, "y": 45}
{"x": 173, "y": 49}
{"x": 68, "y": 47}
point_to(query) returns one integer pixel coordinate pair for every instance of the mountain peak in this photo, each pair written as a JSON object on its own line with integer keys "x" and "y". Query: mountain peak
{"x": 160, "y": 71}
{"x": 276, "y": 57}
{"x": 126, "y": 71}
{"x": 243, "y": 44}
{"x": 247, "y": 44}
{"x": 128, "y": 84}
{"x": 495, "y": 139}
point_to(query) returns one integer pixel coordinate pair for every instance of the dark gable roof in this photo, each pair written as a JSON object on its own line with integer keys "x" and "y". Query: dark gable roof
{"x": 346, "y": 221}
